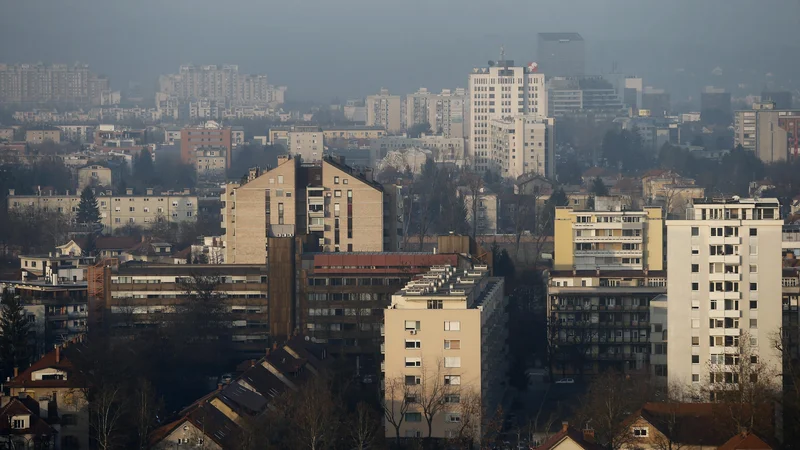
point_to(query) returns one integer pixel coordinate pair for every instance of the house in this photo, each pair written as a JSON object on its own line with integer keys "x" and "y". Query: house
{"x": 570, "y": 438}
{"x": 745, "y": 441}
{"x": 51, "y": 381}
{"x": 153, "y": 251}
{"x": 104, "y": 246}
{"x": 218, "y": 420}
{"x": 608, "y": 176}
{"x": 531, "y": 183}
{"x": 25, "y": 421}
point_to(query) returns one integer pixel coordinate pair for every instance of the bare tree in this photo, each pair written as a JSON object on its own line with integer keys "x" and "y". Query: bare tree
{"x": 363, "y": 427}
{"x": 430, "y": 393}
{"x": 475, "y": 187}
{"x": 470, "y": 408}
{"x": 397, "y": 400}
{"x": 315, "y": 414}
{"x": 145, "y": 409}
{"x": 106, "y": 410}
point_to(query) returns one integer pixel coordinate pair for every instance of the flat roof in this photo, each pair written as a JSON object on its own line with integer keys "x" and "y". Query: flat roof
{"x": 560, "y": 36}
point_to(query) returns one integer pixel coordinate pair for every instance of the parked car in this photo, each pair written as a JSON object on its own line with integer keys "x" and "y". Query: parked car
{"x": 565, "y": 381}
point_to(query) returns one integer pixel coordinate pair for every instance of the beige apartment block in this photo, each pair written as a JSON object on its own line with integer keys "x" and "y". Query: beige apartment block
{"x": 771, "y": 133}
{"x": 43, "y": 135}
{"x": 609, "y": 240}
{"x": 724, "y": 289}
{"x": 500, "y": 91}
{"x": 209, "y": 162}
{"x": 117, "y": 211}
{"x": 523, "y": 144}
{"x": 342, "y": 209}
{"x": 94, "y": 175}
{"x": 444, "y": 112}
{"x": 384, "y": 110}
{"x": 444, "y": 344}
{"x": 484, "y": 213}
{"x": 307, "y": 144}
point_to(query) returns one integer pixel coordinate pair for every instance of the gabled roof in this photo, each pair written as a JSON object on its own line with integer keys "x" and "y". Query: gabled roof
{"x": 17, "y": 407}
{"x": 595, "y": 172}
{"x": 656, "y": 173}
{"x": 685, "y": 423}
{"x": 745, "y": 441}
{"x": 569, "y": 433}
{"x": 47, "y": 361}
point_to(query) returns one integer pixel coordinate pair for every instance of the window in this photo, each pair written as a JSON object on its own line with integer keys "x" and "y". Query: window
{"x": 753, "y": 231}
{"x": 451, "y": 380}
{"x": 753, "y": 286}
{"x": 132, "y": 209}
{"x": 695, "y": 268}
{"x": 335, "y": 180}
{"x": 412, "y": 325}
{"x": 452, "y": 326}
{"x": 753, "y": 249}
{"x": 657, "y": 327}
{"x": 413, "y": 344}
{"x": 280, "y": 179}
{"x": 695, "y": 378}
{"x": 695, "y": 286}
{"x": 695, "y": 340}
{"x": 753, "y": 323}
{"x": 413, "y": 417}
{"x": 435, "y": 304}
{"x": 412, "y": 380}
{"x": 753, "y": 268}
{"x": 452, "y": 344}
{"x": 453, "y": 418}
{"x": 695, "y": 323}
{"x": 452, "y": 361}
{"x": 413, "y": 362}
{"x": 337, "y": 193}
{"x": 640, "y": 432}
{"x": 452, "y": 398}
{"x": 753, "y": 304}
{"x": 661, "y": 370}
{"x": 695, "y": 231}
{"x": 695, "y": 359}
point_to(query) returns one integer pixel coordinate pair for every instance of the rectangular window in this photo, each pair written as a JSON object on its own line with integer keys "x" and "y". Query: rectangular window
{"x": 640, "y": 432}
{"x": 452, "y": 362}
{"x": 453, "y": 418}
{"x": 753, "y": 231}
{"x": 695, "y": 231}
{"x": 413, "y": 344}
{"x": 412, "y": 380}
{"x": 753, "y": 286}
{"x": 435, "y": 304}
{"x": 413, "y": 362}
{"x": 695, "y": 268}
{"x": 451, "y": 380}
{"x": 452, "y": 398}
{"x": 413, "y": 417}
{"x": 695, "y": 378}
{"x": 695, "y": 341}
{"x": 452, "y": 326}
{"x": 753, "y": 323}
{"x": 412, "y": 325}
{"x": 753, "y": 304}
{"x": 695, "y": 286}
{"x": 695, "y": 359}
{"x": 335, "y": 180}
{"x": 452, "y": 344}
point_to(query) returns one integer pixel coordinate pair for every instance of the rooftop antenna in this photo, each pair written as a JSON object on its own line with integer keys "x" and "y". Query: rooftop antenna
{"x": 502, "y": 53}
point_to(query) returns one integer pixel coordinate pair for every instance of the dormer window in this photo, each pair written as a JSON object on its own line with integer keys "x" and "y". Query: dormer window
{"x": 20, "y": 422}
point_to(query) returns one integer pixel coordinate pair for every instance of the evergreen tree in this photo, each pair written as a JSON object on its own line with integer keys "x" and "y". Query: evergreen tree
{"x": 599, "y": 188}
{"x": 14, "y": 328}
{"x": 88, "y": 212}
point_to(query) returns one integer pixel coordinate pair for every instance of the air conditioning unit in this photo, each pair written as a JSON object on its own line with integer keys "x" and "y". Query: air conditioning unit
{"x": 413, "y": 332}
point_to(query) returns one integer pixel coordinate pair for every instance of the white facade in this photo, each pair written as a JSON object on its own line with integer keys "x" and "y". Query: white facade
{"x": 384, "y": 110}
{"x": 307, "y": 144}
{"x": 724, "y": 283}
{"x": 522, "y": 145}
{"x": 501, "y": 91}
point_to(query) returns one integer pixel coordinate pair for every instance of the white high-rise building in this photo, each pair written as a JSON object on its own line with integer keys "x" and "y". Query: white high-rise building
{"x": 723, "y": 289}
{"x": 501, "y": 91}
{"x": 523, "y": 144}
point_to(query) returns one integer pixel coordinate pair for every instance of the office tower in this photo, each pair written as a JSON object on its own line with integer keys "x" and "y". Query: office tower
{"x": 561, "y": 54}
{"x": 632, "y": 92}
{"x": 335, "y": 206}
{"x": 384, "y": 110}
{"x": 444, "y": 340}
{"x": 724, "y": 289}
{"x": 500, "y": 91}
{"x": 523, "y": 144}
{"x": 774, "y": 135}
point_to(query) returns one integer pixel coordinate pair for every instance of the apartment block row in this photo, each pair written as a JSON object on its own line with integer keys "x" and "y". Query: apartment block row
{"x": 57, "y": 83}
{"x": 681, "y": 299}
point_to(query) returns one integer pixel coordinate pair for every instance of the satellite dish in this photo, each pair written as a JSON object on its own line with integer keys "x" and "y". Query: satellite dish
{"x": 308, "y": 338}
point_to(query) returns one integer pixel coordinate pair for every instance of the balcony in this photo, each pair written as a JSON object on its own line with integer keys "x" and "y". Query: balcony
{"x": 722, "y": 240}
{"x": 724, "y": 276}
{"x": 727, "y": 259}
{"x": 720, "y": 313}
{"x": 608, "y": 239}
{"x": 383, "y": 348}
{"x": 609, "y": 252}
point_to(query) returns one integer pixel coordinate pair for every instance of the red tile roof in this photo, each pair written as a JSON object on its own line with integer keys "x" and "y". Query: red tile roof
{"x": 745, "y": 441}
{"x": 568, "y": 432}
{"x": 15, "y": 407}
{"x": 48, "y": 361}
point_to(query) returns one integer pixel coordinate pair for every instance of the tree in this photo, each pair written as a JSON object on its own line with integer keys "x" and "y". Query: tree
{"x": 599, "y": 188}
{"x": 414, "y": 131}
{"x": 88, "y": 211}
{"x": 145, "y": 408}
{"x": 430, "y": 394}
{"x": 474, "y": 191}
{"x": 315, "y": 414}
{"x": 363, "y": 427}
{"x": 106, "y": 411}
{"x": 14, "y": 329}
{"x": 396, "y": 403}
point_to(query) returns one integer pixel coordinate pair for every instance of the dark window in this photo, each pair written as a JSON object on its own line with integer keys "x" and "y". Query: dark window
{"x": 753, "y": 231}
{"x": 695, "y": 268}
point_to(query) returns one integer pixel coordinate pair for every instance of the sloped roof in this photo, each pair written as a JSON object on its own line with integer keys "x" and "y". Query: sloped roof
{"x": 745, "y": 441}
{"x": 38, "y": 426}
{"x": 572, "y": 434}
{"x": 48, "y": 361}
{"x": 599, "y": 172}
{"x": 685, "y": 423}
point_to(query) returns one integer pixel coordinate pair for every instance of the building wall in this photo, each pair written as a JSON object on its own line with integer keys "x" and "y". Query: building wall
{"x": 95, "y": 174}
{"x": 366, "y": 204}
{"x": 690, "y": 297}
{"x": 71, "y": 402}
{"x": 384, "y": 110}
{"x": 192, "y": 138}
{"x": 42, "y": 136}
{"x": 487, "y": 211}
{"x": 307, "y": 144}
{"x": 523, "y": 144}
{"x": 186, "y": 434}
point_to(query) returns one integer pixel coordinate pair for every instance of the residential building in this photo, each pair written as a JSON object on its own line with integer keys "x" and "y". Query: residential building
{"x": 76, "y": 133}
{"x": 42, "y": 135}
{"x": 609, "y": 240}
{"x": 306, "y": 144}
{"x": 484, "y": 211}
{"x": 222, "y": 84}
{"x": 338, "y": 208}
{"x": 523, "y": 144}
{"x": 103, "y": 246}
{"x": 774, "y": 135}
{"x": 445, "y": 331}
{"x": 220, "y": 419}
{"x": 384, "y": 110}
{"x": 562, "y": 54}
{"x": 715, "y": 99}
{"x": 27, "y": 423}
{"x": 653, "y": 131}
{"x": 656, "y": 102}
{"x": 52, "y": 381}
{"x": 94, "y": 175}
{"x": 670, "y": 190}
{"x": 445, "y": 149}
{"x": 210, "y": 162}
{"x": 56, "y": 83}
{"x": 724, "y": 286}
{"x": 500, "y": 91}
{"x": 354, "y": 132}
{"x": 116, "y": 211}
{"x": 444, "y": 112}
{"x": 210, "y": 134}
{"x": 658, "y": 341}
{"x": 570, "y": 438}
{"x": 7, "y": 134}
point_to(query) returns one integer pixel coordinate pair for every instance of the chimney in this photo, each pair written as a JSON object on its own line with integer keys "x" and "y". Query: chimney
{"x": 16, "y": 372}
{"x": 58, "y": 353}
{"x": 564, "y": 426}
{"x": 588, "y": 435}
{"x": 219, "y": 386}
{"x": 187, "y": 191}
{"x": 129, "y": 191}
{"x": 11, "y": 192}
{"x": 149, "y": 191}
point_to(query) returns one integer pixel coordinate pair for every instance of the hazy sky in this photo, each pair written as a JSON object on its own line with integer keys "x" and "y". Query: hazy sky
{"x": 345, "y": 48}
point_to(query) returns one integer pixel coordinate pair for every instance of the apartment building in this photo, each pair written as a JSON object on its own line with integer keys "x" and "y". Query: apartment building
{"x": 444, "y": 112}
{"x": 116, "y": 211}
{"x": 500, "y": 91}
{"x": 444, "y": 341}
{"x": 57, "y": 83}
{"x": 523, "y": 144}
{"x": 582, "y": 94}
{"x": 42, "y": 135}
{"x": 338, "y": 208}
{"x": 130, "y": 296}
{"x": 222, "y": 84}
{"x": 445, "y": 149}
{"x": 384, "y": 110}
{"x": 210, "y": 162}
{"x": 482, "y": 217}
{"x": 210, "y": 134}
{"x": 94, "y": 175}
{"x": 306, "y": 144}
{"x": 724, "y": 286}
{"x": 774, "y": 135}
{"x": 609, "y": 240}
